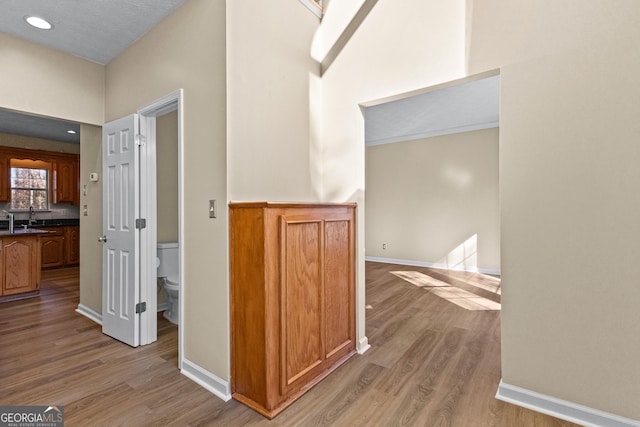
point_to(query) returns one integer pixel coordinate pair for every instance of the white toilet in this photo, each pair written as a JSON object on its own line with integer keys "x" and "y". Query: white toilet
{"x": 167, "y": 263}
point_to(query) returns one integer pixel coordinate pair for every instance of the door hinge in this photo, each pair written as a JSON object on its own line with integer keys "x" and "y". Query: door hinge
{"x": 141, "y": 307}
{"x": 141, "y": 223}
{"x": 139, "y": 140}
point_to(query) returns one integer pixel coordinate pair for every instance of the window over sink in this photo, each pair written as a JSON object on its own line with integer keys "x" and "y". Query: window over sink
{"x": 30, "y": 185}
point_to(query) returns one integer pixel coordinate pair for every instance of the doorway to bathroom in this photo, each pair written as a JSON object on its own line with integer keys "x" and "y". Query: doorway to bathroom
{"x": 143, "y": 186}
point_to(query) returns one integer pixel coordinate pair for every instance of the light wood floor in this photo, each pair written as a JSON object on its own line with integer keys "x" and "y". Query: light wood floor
{"x": 432, "y": 363}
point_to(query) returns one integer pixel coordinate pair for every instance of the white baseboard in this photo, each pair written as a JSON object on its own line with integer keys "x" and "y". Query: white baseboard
{"x": 562, "y": 409}
{"x": 432, "y": 265}
{"x": 363, "y": 345}
{"x": 206, "y": 379}
{"x": 91, "y": 314}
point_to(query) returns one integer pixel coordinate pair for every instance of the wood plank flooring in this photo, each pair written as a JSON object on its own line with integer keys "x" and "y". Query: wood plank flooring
{"x": 432, "y": 363}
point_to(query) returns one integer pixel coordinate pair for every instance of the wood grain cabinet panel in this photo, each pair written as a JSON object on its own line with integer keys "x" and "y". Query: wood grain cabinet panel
{"x": 5, "y": 180}
{"x": 292, "y": 298}
{"x": 20, "y": 262}
{"x": 66, "y": 180}
{"x": 53, "y": 247}
{"x": 72, "y": 245}
{"x": 61, "y": 246}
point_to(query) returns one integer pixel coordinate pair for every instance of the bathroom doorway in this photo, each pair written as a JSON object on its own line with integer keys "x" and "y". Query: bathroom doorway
{"x": 138, "y": 183}
{"x": 162, "y": 171}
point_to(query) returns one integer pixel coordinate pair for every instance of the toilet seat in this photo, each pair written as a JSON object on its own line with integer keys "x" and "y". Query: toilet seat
{"x": 172, "y": 282}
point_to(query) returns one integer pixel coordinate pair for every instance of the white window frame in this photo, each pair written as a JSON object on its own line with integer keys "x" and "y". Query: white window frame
{"x": 47, "y": 189}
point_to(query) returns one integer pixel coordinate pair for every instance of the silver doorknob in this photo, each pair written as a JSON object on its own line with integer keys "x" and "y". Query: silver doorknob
{"x": 102, "y": 239}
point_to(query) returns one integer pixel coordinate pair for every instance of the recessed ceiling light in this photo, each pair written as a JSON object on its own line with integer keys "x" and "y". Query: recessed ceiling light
{"x": 37, "y": 22}
{"x": 71, "y": 131}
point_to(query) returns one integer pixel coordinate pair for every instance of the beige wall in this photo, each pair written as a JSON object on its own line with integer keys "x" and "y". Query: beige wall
{"x": 187, "y": 50}
{"x": 435, "y": 200}
{"x": 567, "y": 146}
{"x": 502, "y": 32}
{"x": 91, "y": 225}
{"x": 167, "y": 176}
{"x": 39, "y": 80}
{"x": 272, "y": 93}
{"x": 8, "y": 140}
{"x": 43, "y": 81}
{"x": 401, "y": 46}
{"x": 568, "y": 173}
{"x": 570, "y": 228}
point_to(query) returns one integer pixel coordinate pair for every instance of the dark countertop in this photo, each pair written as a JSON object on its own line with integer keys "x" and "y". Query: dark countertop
{"x": 18, "y": 223}
{"x": 22, "y": 232}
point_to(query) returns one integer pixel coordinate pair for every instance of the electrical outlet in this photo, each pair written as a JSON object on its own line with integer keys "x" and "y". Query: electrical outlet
{"x": 384, "y": 246}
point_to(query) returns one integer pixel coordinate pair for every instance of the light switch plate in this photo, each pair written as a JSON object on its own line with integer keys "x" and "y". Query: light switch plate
{"x": 212, "y": 208}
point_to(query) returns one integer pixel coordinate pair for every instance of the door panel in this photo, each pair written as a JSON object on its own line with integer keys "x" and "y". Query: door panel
{"x": 121, "y": 291}
{"x": 302, "y": 317}
{"x": 338, "y": 295}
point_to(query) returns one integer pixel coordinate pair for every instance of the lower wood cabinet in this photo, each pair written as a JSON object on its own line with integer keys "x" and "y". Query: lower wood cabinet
{"x": 292, "y": 299}
{"x": 53, "y": 247}
{"x": 19, "y": 264}
{"x": 60, "y": 246}
{"x": 72, "y": 247}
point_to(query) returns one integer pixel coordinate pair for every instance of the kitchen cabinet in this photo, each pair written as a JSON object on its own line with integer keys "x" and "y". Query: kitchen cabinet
{"x": 292, "y": 271}
{"x": 60, "y": 246}
{"x": 5, "y": 185}
{"x": 66, "y": 180}
{"x": 53, "y": 245}
{"x": 72, "y": 248}
{"x": 19, "y": 264}
{"x": 64, "y": 173}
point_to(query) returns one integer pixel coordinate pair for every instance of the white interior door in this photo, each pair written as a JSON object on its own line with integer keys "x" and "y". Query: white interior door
{"x": 120, "y": 259}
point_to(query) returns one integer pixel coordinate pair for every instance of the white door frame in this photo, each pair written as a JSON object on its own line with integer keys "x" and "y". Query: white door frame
{"x": 148, "y": 208}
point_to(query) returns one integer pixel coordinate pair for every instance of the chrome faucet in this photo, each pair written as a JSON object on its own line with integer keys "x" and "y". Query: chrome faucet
{"x": 32, "y": 216}
{"x": 10, "y": 216}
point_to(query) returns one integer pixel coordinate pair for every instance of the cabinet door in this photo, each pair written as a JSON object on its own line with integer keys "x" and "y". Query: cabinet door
{"x": 72, "y": 239}
{"x": 52, "y": 251}
{"x": 339, "y": 286}
{"x": 301, "y": 308}
{"x": 20, "y": 265}
{"x": 5, "y": 172}
{"x": 1, "y": 268}
{"x": 66, "y": 181}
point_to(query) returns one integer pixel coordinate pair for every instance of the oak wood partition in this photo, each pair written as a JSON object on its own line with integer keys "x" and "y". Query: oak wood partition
{"x": 292, "y": 273}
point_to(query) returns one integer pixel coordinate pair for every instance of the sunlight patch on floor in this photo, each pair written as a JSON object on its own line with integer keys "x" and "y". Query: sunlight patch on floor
{"x": 460, "y": 297}
{"x": 419, "y": 279}
{"x": 493, "y": 284}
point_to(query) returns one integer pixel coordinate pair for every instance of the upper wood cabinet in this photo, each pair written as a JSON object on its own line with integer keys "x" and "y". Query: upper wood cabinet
{"x": 292, "y": 298}
{"x": 64, "y": 174}
{"x": 66, "y": 180}
{"x": 5, "y": 176}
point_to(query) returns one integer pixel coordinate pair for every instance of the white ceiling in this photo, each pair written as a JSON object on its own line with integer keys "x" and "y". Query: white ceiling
{"x": 97, "y": 30}
{"x": 461, "y": 108}
{"x": 15, "y": 123}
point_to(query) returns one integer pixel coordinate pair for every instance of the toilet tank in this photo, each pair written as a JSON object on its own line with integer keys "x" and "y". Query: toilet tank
{"x": 167, "y": 254}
